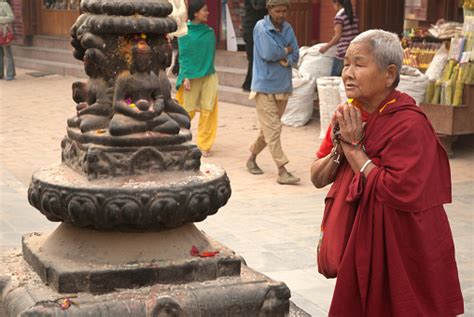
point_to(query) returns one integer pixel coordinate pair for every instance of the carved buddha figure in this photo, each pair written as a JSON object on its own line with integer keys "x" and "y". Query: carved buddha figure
{"x": 94, "y": 99}
{"x": 138, "y": 102}
{"x": 162, "y": 54}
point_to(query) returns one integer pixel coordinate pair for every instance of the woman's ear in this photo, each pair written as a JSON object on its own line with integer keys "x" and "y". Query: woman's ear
{"x": 391, "y": 75}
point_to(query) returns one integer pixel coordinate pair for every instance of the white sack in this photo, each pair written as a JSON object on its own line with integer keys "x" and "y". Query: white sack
{"x": 342, "y": 92}
{"x": 300, "y": 105}
{"x": 414, "y": 83}
{"x": 314, "y": 63}
{"x": 329, "y": 99}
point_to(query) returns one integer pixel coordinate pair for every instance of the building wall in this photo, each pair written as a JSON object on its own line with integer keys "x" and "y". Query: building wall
{"x": 327, "y": 19}
{"x": 18, "y": 24}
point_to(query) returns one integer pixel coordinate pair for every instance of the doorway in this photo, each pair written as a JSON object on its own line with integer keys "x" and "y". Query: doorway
{"x": 56, "y": 17}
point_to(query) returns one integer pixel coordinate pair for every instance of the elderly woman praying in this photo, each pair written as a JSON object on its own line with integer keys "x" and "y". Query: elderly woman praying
{"x": 385, "y": 233}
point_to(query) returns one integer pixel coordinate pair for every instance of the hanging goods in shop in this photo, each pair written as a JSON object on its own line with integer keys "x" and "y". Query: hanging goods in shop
{"x": 435, "y": 69}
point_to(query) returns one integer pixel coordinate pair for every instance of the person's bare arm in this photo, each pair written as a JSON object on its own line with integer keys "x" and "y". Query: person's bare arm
{"x": 335, "y": 39}
{"x": 324, "y": 170}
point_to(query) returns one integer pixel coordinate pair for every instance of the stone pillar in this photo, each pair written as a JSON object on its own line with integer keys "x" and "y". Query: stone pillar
{"x": 128, "y": 190}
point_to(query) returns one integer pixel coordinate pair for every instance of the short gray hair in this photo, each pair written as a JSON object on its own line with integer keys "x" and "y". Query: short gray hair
{"x": 386, "y": 48}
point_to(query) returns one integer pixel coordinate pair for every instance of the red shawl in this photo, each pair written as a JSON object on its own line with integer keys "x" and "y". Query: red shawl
{"x": 399, "y": 260}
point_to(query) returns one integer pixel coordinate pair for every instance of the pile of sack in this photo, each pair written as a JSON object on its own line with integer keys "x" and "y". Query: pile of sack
{"x": 311, "y": 66}
{"x": 314, "y": 63}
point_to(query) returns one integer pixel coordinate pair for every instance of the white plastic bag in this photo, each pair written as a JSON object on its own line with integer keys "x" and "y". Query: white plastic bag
{"x": 436, "y": 67}
{"x": 300, "y": 105}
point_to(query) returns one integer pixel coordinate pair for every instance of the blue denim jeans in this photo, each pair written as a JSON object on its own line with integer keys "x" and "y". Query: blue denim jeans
{"x": 6, "y": 53}
{"x": 337, "y": 65}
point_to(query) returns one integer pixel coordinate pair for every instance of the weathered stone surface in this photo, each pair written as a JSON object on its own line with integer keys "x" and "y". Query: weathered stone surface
{"x": 139, "y": 139}
{"x": 158, "y": 8}
{"x": 155, "y": 201}
{"x": 97, "y": 161}
{"x": 128, "y": 25}
{"x": 82, "y": 260}
{"x": 249, "y": 294}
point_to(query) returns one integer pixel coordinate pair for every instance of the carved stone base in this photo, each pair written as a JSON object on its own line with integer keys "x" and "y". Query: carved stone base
{"x": 155, "y": 201}
{"x": 207, "y": 292}
{"x": 75, "y": 260}
{"x": 105, "y": 161}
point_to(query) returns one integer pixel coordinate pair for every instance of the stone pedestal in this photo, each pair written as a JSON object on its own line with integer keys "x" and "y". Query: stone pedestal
{"x": 134, "y": 274}
{"x": 245, "y": 294}
{"x": 127, "y": 192}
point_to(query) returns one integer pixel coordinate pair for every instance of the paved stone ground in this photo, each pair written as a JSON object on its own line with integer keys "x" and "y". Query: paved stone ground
{"x": 275, "y": 228}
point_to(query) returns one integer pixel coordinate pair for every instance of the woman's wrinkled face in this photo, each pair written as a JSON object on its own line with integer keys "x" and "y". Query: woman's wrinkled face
{"x": 362, "y": 77}
{"x": 202, "y": 15}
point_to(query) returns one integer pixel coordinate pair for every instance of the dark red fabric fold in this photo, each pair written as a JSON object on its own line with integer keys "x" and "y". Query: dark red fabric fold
{"x": 399, "y": 260}
{"x": 336, "y": 226}
{"x": 356, "y": 188}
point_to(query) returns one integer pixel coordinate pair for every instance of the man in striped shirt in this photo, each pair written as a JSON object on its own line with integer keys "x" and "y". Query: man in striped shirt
{"x": 346, "y": 27}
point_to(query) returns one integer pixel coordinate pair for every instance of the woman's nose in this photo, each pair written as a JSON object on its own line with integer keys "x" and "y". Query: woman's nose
{"x": 348, "y": 71}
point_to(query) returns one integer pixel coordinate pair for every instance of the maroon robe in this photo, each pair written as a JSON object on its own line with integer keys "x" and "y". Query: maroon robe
{"x": 399, "y": 260}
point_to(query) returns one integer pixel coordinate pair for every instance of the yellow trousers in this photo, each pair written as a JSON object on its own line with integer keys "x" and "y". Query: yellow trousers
{"x": 207, "y": 126}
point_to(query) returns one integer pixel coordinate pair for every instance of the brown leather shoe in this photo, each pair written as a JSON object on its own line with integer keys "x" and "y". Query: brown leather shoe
{"x": 287, "y": 179}
{"x": 253, "y": 168}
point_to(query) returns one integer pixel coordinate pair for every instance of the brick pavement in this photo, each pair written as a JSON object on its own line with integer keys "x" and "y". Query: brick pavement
{"x": 275, "y": 228}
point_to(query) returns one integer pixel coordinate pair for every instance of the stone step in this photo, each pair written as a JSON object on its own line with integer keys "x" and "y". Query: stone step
{"x": 46, "y": 54}
{"x": 235, "y": 95}
{"x": 230, "y": 76}
{"x": 223, "y": 58}
{"x": 50, "y": 66}
{"x": 231, "y": 59}
{"x": 52, "y": 42}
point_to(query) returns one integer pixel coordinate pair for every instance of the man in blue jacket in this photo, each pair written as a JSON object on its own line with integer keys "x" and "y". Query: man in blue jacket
{"x": 275, "y": 52}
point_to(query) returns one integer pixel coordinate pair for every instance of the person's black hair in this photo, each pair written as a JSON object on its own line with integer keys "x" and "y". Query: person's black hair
{"x": 194, "y": 7}
{"x": 347, "y": 5}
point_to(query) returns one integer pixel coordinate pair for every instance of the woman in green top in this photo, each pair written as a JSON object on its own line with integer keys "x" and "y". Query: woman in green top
{"x": 197, "y": 79}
